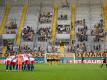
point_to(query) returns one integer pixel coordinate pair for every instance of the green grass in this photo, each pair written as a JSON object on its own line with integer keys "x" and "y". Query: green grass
{"x": 58, "y": 72}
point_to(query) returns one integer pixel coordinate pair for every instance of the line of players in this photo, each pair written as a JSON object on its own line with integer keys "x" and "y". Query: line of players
{"x": 20, "y": 62}
{"x": 53, "y": 59}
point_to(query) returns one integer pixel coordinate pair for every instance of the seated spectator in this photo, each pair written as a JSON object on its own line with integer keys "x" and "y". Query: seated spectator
{"x": 27, "y": 34}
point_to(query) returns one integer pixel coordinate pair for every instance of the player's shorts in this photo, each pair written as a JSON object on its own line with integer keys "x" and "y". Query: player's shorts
{"x": 8, "y": 63}
{"x": 49, "y": 59}
{"x": 32, "y": 62}
{"x": 53, "y": 59}
{"x": 57, "y": 59}
{"x": 22, "y": 62}
{"x": 26, "y": 62}
{"x": 19, "y": 63}
{"x": 13, "y": 63}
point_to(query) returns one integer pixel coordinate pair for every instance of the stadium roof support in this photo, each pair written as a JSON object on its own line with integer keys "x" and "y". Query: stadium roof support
{"x": 73, "y": 18}
{"x": 54, "y": 24}
{"x": 22, "y": 22}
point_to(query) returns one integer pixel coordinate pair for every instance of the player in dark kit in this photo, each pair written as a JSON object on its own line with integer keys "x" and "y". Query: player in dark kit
{"x": 104, "y": 62}
{"x": 32, "y": 61}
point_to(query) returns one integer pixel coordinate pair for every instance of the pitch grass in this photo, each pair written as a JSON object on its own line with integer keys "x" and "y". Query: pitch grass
{"x": 58, "y": 72}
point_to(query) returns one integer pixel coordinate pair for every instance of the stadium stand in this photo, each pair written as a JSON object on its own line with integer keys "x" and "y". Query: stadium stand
{"x": 75, "y": 27}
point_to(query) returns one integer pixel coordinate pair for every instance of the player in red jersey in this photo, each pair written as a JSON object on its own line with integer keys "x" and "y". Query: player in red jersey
{"x": 14, "y": 63}
{"x": 25, "y": 59}
{"x": 7, "y": 62}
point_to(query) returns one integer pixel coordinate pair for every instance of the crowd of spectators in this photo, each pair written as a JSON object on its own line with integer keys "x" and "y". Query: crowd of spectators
{"x": 82, "y": 36}
{"x": 56, "y": 49}
{"x": 27, "y": 34}
{"x": 81, "y": 30}
{"x": 81, "y": 47}
{"x": 52, "y": 49}
{"x": 44, "y": 34}
{"x": 63, "y": 29}
{"x": 98, "y": 32}
{"x": 25, "y": 48}
{"x": 45, "y": 17}
{"x": 40, "y": 50}
{"x": 11, "y": 28}
{"x": 98, "y": 35}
